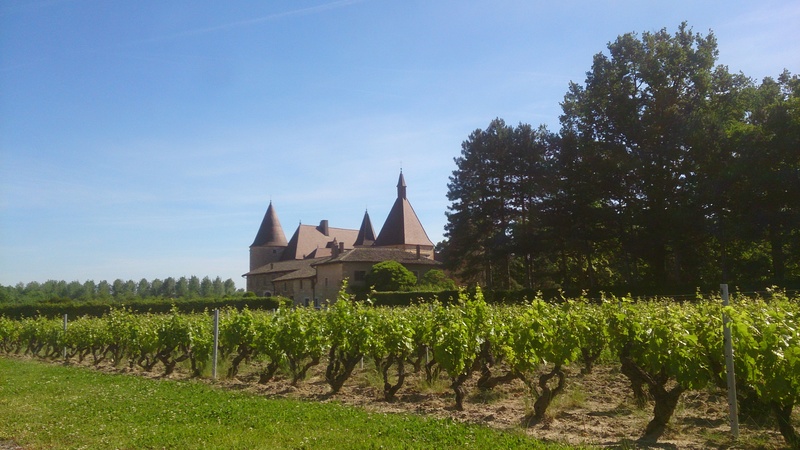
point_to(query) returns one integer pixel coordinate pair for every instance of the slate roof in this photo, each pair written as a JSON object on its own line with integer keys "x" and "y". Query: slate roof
{"x": 366, "y": 234}
{"x": 284, "y": 266}
{"x": 376, "y": 255}
{"x": 270, "y": 233}
{"x": 303, "y": 272}
{"x": 308, "y": 238}
{"x": 402, "y": 226}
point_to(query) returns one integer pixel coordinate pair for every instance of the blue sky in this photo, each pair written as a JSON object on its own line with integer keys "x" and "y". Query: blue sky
{"x": 145, "y": 139}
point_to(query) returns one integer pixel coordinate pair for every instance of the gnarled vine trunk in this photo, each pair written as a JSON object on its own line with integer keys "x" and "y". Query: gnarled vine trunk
{"x": 634, "y": 375}
{"x": 783, "y": 415}
{"x": 340, "y": 366}
{"x": 458, "y": 387}
{"x": 487, "y": 382}
{"x": 665, "y": 399}
{"x": 546, "y": 394}
{"x": 389, "y": 389}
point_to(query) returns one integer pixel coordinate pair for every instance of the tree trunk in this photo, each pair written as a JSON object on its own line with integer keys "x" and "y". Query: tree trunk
{"x": 431, "y": 371}
{"x": 633, "y": 373}
{"x": 486, "y": 382}
{"x": 416, "y": 359}
{"x": 783, "y": 415}
{"x": 389, "y": 389}
{"x": 547, "y": 395}
{"x": 234, "y": 368}
{"x": 776, "y": 246}
{"x": 665, "y": 403}
{"x": 340, "y": 366}
{"x": 265, "y": 375}
{"x": 298, "y": 371}
{"x": 589, "y": 358}
{"x": 460, "y": 391}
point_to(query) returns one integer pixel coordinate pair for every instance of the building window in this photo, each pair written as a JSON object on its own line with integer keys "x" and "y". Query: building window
{"x": 301, "y": 285}
{"x": 326, "y": 282}
{"x": 306, "y": 301}
{"x": 359, "y": 275}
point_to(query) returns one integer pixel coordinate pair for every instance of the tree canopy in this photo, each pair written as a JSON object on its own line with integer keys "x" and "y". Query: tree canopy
{"x": 668, "y": 171}
{"x": 117, "y": 290}
{"x": 390, "y": 276}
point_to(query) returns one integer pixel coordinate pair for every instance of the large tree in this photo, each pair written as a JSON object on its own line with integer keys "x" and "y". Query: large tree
{"x": 669, "y": 172}
{"x": 766, "y": 186}
{"x": 638, "y": 127}
{"x": 498, "y": 184}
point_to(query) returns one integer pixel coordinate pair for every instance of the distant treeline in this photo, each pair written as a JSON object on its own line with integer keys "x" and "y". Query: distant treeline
{"x": 119, "y": 290}
{"x": 156, "y": 305}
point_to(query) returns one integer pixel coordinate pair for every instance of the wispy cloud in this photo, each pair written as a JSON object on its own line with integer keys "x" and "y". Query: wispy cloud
{"x": 747, "y": 42}
{"x": 249, "y": 22}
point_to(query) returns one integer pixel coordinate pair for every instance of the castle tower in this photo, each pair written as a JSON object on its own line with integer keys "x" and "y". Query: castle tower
{"x": 402, "y": 228}
{"x": 270, "y": 241}
{"x": 366, "y": 234}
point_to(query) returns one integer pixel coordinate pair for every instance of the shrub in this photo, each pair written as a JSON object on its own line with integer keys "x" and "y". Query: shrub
{"x": 390, "y": 276}
{"x": 436, "y": 280}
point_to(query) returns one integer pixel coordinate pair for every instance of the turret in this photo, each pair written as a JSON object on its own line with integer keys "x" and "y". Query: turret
{"x": 402, "y": 228}
{"x": 366, "y": 234}
{"x": 270, "y": 241}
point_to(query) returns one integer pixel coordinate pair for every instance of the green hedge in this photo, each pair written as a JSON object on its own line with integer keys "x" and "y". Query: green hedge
{"x": 98, "y": 309}
{"x": 446, "y": 297}
{"x": 555, "y": 295}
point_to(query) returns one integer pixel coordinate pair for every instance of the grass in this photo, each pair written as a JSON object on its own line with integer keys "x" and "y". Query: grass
{"x": 51, "y": 406}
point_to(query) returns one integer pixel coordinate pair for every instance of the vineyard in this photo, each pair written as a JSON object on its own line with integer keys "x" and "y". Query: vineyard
{"x": 665, "y": 350}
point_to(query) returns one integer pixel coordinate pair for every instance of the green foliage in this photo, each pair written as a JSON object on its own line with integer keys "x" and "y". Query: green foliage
{"x": 54, "y": 291}
{"x": 766, "y": 338}
{"x": 436, "y": 280}
{"x": 413, "y": 297}
{"x": 154, "y": 305}
{"x": 459, "y": 330}
{"x": 668, "y": 172}
{"x": 390, "y": 276}
{"x": 663, "y": 346}
{"x": 300, "y": 335}
{"x": 349, "y": 331}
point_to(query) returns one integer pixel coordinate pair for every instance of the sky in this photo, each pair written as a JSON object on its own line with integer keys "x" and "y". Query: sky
{"x": 145, "y": 139}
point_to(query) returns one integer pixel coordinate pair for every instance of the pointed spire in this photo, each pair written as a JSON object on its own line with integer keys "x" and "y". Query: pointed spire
{"x": 402, "y": 226}
{"x": 270, "y": 233}
{"x": 366, "y": 234}
{"x": 401, "y": 186}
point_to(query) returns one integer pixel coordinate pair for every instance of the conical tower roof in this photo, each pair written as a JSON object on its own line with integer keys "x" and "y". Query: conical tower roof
{"x": 270, "y": 234}
{"x": 402, "y": 226}
{"x": 366, "y": 234}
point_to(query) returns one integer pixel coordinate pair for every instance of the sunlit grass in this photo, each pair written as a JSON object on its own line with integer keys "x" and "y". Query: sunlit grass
{"x": 51, "y": 406}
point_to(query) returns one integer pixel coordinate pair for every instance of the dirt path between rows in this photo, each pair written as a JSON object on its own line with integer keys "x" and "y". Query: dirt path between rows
{"x": 596, "y": 409}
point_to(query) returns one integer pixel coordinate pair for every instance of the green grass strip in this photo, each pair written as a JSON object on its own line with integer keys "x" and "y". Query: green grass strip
{"x": 52, "y": 406}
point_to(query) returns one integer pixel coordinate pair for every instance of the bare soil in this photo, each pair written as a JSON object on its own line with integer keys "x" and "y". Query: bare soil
{"x": 595, "y": 409}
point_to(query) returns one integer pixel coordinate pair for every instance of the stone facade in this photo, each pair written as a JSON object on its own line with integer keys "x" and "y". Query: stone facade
{"x": 310, "y": 267}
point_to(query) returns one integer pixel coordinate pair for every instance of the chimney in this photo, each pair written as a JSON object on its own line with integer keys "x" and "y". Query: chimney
{"x": 341, "y": 247}
{"x": 323, "y": 227}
